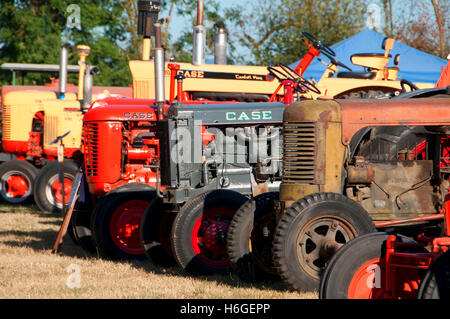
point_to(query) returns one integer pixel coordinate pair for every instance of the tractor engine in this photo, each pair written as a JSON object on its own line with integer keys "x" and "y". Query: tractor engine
{"x": 224, "y": 146}
{"x": 120, "y": 144}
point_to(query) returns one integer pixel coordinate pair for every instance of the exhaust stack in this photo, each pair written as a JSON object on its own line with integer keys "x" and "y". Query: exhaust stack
{"x": 63, "y": 62}
{"x": 220, "y": 45}
{"x": 199, "y": 37}
{"x": 159, "y": 72}
{"x": 88, "y": 86}
{"x": 148, "y": 15}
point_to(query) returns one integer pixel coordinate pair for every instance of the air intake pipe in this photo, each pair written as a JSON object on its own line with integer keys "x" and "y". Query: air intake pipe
{"x": 147, "y": 16}
{"x": 199, "y": 37}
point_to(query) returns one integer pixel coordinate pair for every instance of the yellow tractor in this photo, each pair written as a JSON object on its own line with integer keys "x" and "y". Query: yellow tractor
{"x": 32, "y": 117}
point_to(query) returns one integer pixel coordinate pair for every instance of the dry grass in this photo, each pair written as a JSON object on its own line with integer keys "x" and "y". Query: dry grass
{"x": 29, "y": 270}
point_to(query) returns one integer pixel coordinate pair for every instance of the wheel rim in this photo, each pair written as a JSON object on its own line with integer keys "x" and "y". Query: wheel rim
{"x": 366, "y": 283}
{"x": 369, "y": 282}
{"x": 319, "y": 239}
{"x": 53, "y": 190}
{"x": 208, "y": 237}
{"x": 16, "y": 186}
{"x": 124, "y": 226}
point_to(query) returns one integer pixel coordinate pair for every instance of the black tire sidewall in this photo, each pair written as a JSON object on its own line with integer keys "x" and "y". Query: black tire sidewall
{"x": 24, "y": 167}
{"x": 296, "y": 217}
{"x": 239, "y": 234}
{"x": 184, "y": 224}
{"x": 70, "y": 168}
{"x": 103, "y": 212}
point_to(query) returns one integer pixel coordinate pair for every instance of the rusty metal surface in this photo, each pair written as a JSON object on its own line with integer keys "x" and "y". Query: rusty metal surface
{"x": 399, "y": 189}
{"x": 357, "y": 114}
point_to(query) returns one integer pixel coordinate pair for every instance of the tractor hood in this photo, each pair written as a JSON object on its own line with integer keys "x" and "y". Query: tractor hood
{"x": 121, "y": 110}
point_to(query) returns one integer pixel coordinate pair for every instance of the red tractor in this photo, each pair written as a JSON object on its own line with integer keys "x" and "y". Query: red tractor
{"x": 386, "y": 265}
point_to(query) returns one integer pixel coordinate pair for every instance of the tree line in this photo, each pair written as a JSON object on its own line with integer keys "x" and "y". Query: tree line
{"x": 261, "y": 32}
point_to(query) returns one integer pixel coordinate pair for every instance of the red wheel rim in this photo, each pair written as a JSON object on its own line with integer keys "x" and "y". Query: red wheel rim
{"x": 124, "y": 226}
{"x": 56, "y": 190}
{"x": 366, "y": 283}
{"x": 17, "y": 186}
{"x": 208, "y": 237}
{"x": 369, "y": 282}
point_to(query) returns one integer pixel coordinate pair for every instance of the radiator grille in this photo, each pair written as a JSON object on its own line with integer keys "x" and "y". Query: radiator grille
{"x": 91, "y": 148}
{"x": 6, "y": 122}
{"x": 299, "y": 147}
{"x": 50, "y": 129}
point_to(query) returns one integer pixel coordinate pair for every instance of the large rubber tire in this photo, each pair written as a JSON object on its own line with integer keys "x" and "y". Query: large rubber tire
{"x": 47, "y": 188}
{"x": 200, "y": 229}
{"x": 116, "y": 220}
{"x": 436, "y": 282}
{"x": 80, "y": 227}
{"x": 155, "y": 232}
{"x": 310, "y": 231}
{"x": 356, "y": 270}
{"x": 250, "y": 237}
{"x": 16, "y": 181}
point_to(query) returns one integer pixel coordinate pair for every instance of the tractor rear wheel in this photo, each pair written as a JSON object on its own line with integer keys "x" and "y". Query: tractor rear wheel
{"x": 116, "y": 220}
{"x": 310, "y": 231}
{"x": 155, "y": 229}
{"x": 357, "y": 270}
{"x": 16, "y": 181}
{"x": 47, "y": 191}
{"x": 199, "y": 232}
{"x": 436, "y": 282}
{"x": 250, "y": 236}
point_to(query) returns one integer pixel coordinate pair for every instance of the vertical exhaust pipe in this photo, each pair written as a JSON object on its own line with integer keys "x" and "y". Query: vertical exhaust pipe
{"x": 88, "y": 86}
{"x": 199, "y": 37}
{"x": 147, "y": 16}
{"x": 159, "y": 72}
{"x": 220, "y": 45}
{"x": 63, "y": 62}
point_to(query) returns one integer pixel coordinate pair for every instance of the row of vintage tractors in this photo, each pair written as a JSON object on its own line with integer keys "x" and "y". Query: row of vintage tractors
{"x": 232, "y": 172}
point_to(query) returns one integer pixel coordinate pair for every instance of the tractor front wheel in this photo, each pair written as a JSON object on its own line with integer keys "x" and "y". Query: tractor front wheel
{"x": 436, "y": 282}
{"x": 48, "y": 191}
{"x": 199, "y": 232}
{"x": 16, "y": 181}
{"x": 156, "y": 226}
{"x": 358, "y": 269}
{"x": 250, "y": 236}
{"x": 310, "y": 231}
{"x": 116, "y": 220}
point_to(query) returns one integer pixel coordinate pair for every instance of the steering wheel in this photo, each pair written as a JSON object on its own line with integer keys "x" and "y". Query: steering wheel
{"x": 287, "y": 73}
{"x": 335, "y": 61}
{"x": 318, "y": 44}
{"x": 411, "y": 85}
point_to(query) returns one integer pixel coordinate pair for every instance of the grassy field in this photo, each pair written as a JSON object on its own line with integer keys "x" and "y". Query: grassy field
{"x": 28, "y": 269}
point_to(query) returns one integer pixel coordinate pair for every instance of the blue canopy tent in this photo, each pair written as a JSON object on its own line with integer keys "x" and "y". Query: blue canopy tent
{"x": 415, "y": 65}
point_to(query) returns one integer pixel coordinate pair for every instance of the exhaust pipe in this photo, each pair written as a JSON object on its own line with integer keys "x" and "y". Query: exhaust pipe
{"x": 220, "y": 45}
{"x": 199, "y": 37}
{"x": 159, "y": 72}
{"x": 147, "y": 16}
{"x": 63, "y": 62}
{"x": 88, "y": 85}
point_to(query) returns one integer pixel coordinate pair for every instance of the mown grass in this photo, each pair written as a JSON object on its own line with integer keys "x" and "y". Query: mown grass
{"x": 28, "y": 269}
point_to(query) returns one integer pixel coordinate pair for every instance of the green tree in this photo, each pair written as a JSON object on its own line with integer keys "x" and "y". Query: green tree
{"x": 272, "y": 29}
{"x": 32, "y": 31}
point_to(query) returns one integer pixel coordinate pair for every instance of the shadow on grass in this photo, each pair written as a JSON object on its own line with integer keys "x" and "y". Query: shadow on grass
{"x": 44, "y": 240}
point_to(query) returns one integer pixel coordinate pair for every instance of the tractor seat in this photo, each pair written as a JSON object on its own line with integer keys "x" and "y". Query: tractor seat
{"x": 357, "y": 75}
